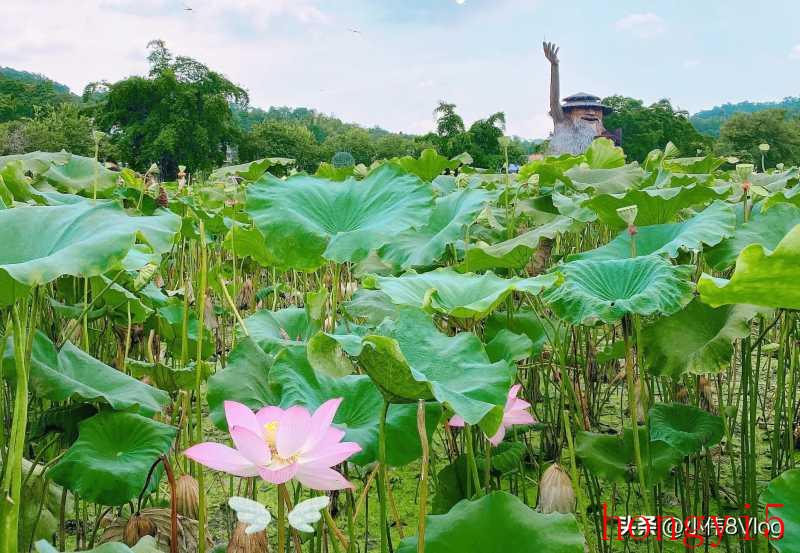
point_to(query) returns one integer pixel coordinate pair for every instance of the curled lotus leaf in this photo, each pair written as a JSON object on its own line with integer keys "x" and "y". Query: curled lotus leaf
{"x": 761, "y": 277}
{"x": 707, "y": 228}
{"x": 655, "y": 205}
{"x": 462, "y": 295}
{"x": 41, "y": 243}
{"x": 307, "y": 220}
{"x": 684, "y": 427}
{"x": 606, "y": 290}
{"x": 424, "y": 246}
{"x": 782, "y": 491}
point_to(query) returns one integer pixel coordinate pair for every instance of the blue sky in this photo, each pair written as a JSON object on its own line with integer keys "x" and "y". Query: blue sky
{"x": 387, "y": 62}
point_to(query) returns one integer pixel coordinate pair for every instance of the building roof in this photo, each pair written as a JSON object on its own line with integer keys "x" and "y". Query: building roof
{"x": 584, "y": 100}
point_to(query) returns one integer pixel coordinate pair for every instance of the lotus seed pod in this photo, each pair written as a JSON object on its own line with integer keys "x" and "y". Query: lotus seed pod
{"x": 733, "y": 160}
{"x": 153, "y": 168}
{"x": 628, "y": 213}
{"x": 555, "y": 491}
{"x": 343, "y": 159}
{"x": 242, "y": 542}
{"x": 744, "y": 170}
{"x": 137, "y": 527}
{"x": 163, "y": 199}
{"x": 187, "y": 496}
{"x": 764, "y": 147}
{"x": 246, "y": 296}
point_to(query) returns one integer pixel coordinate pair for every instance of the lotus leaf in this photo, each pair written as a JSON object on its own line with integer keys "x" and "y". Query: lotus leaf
{"x": 606, "y": 290}
{"x": 39, "y": 244}
{"x": 685, "y": 427}
{"x": 783, "y": 491}
{"x": 498, "y": 523}
{"x": 459, "y": 295}
{"x": 761, "y": 277}
{"x": 707, "y": 228}
{"x": 612, "y": 456}
{"x": 307, "y": 220}
{"x": 109, "y": 462}
{"x": 422, "y": 247}
{"x": 697, "y": 340}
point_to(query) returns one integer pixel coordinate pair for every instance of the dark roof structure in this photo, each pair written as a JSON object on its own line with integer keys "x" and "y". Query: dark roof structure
{"x": 584, "y": 100}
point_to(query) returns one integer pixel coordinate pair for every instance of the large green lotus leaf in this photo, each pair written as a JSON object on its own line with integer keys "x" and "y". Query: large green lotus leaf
{"x": 516, "y": 252}
{"x": 612, "y": 457}
{"x": 109, "y": 462}
{"x": 294, "y": 382}
{"x": 410, "y": 359}
{"x": 424, "y": 246}
{"x": 685, "y": 427}
{"x": 36, "y": 162}
{"x": 693, "y": 165}
{"x": 74, "y": 374}
{"x": 428, "y": 166}
{"x": 251, "y": 170}
{"x": 764, "y": 227}
{"x": 549, "y": 169}
{"x": 606, "y": 181}
{"x": 16, "y": 185}
{"x": 655, "y": 205}
{"x": 776, "y": 180}
{"x": 306, "y": 220}
{"x": 370, "y": 306}
{"x": 789, "y": 196}
{"x": 169, "y": 325}
{"x": 761, "y": 277}
{"x": 285, "y": 328}
{"x": 498, "y": 523}
{"x": 510, "y": 346}
{"x": 606, "y": 290}
{"x": 783, "y": 491}
{"x": 118, "y": 301}
{"x": 602, "y": 154}
{"x": 707, "y": 228}
{"x": 81, "y": 175}
{"x": 460, "y": 295}
{"x": 39, "y": 244}
{"x": 245, "y": 379}
{"x": 697, "y": 340}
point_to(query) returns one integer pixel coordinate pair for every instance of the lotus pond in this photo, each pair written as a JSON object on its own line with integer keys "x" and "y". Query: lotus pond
{"x": 411, "y": 357}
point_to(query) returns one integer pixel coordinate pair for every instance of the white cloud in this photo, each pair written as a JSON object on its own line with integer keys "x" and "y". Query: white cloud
{"x": 641, "y": 25}
{"x": 795, "y": 53}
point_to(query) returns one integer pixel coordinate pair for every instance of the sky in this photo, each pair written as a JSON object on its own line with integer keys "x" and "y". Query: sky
{"x": 388, "y": 62}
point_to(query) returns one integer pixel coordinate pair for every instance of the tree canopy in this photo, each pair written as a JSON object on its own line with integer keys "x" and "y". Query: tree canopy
{"x": 178, "y": 114}
{"x": 741, "y": 135}
{"x": 645, "y": 128}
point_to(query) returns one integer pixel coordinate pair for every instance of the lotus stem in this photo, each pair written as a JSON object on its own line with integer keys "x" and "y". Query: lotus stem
{"x": 281, "y": 522}
{"x": 201, "y": 309}
{"x": 423, "y": 476}
{"x": 382, "y": 477}
{"x": 471, "y": 462}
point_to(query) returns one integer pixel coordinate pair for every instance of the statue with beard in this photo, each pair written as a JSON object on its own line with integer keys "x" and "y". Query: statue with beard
{"x": 579, "y": 120}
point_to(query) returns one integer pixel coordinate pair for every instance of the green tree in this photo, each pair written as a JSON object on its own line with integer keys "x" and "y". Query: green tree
{"x": 21, "y": 93}
{"x": 356, "y": 141}
{"x": 53, "y": 128}
{"x": 281, "y": 139}
{"x": 484, "y": 147}
{"x": 448, "y": 123}
{"x": 743, "y": 132}
{"x": 645, "y": 128}
{"x": 178, "y": 114}
{"x": 394, "y": 145}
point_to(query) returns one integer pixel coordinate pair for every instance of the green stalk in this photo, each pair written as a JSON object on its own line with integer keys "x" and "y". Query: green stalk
{"x": 200, "y": 298}
{"x": 637, "y": 448}
{"x": 12, "y": 475}
{"x": 382, "y": 477}
{"x": 281, "y": 519}
{"x": 471, "y": 462}
{"x": 423, "y": 477}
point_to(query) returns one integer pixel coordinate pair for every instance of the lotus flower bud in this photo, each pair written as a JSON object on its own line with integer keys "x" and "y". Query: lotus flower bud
{"x": 555, "y": 491}
{"x": 764, "y": 147}
{"x": 247, "y": 543}
{"x": 187, "y": 496}
{"x": 138, "y": 526}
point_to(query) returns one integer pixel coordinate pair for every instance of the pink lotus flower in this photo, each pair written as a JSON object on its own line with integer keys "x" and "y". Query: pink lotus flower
{"x": 515, "y": 412}
{"x": 279, "y": 445}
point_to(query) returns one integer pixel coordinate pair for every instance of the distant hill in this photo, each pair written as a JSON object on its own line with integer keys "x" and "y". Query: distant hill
{"x": 709, "y": 121}
{"x": 21, "y": 92}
